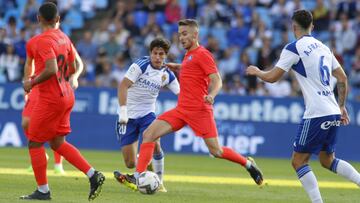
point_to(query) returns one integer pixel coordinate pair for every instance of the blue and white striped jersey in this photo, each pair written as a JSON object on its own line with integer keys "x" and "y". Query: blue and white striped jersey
{"x": 312, "y": 63}
{"x": 147, "y": 81}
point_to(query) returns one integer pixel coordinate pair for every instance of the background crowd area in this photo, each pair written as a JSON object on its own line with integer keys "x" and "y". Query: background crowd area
{"x": 110, "y": 34}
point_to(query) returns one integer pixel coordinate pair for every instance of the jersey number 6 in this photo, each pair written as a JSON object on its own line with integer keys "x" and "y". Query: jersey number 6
{"x": 324, "y": 72}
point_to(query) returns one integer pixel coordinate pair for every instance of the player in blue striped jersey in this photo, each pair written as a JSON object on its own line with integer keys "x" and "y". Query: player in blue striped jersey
{"x": 137, "y": 95}
{"x": 314, "y": 65}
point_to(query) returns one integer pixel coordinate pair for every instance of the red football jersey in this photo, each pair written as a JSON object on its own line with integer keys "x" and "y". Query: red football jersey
{"x": 196, "y": 67}
{"x": 52, "y": 44}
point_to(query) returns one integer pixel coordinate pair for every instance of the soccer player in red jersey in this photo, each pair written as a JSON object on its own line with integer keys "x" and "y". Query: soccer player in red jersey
{"x": 50, "y": 116}
{"x": 31, "y": 98}
{"x": 200, "y": 82}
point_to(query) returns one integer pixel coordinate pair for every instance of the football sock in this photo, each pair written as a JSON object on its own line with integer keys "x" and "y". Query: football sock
{"x": 73, "y": 156}
{"x": 346, "y": 170}
{"x": 231, "y": 155}
{"x": 43, "y": 188}
{"x": 90, "y": 172}
{"x": 309, "y": 183}
{"x": 57, "y": 158}
{"x": 158, "y": 164}
{"x": 39, "y": 164}
{"x": 145, "y": 154}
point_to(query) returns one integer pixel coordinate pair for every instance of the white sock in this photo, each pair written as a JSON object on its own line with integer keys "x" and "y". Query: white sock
{"x": 58, "y": 166}
{"x": 43, "y": 188}
{"x": 346, "y": 170}
{"x": 90, "y": 172}
{"x": 309, "y": 183}
{"x": 248, "y": 164}
{"x": 158, "y": 164}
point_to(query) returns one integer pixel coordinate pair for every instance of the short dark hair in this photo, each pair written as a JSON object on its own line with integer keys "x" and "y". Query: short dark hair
{"x": 303, "y": 17}
{"x": 48, "y": 11}
{"x": 160, "y": 42}
{"x": 188, "y": 22}
{"x": 53, "y": 1}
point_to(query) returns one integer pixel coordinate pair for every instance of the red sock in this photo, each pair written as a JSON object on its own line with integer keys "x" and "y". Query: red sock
{"x": 58, "y": 158}
{"x": 73, "y": 156}
{"x": 145, "y": 156}
{"x": 39, "y": 164}
{"x": 231, "y": 155}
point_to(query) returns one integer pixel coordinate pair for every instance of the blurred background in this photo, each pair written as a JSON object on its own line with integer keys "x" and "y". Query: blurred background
{"x": 110, "y": 34}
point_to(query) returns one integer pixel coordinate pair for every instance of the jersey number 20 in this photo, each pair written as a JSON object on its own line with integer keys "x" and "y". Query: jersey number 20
{"x": 324, "y": 72}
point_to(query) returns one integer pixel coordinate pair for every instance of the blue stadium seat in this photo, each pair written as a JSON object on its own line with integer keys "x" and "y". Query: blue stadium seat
{"x": 140, "y": 18}
{"x": 101, "y": 4}
{"x": 220, "y": 34}
{"x": 264, "y": 16}
{"x": 160, "y": 18}
{"x": 74, "y": 19}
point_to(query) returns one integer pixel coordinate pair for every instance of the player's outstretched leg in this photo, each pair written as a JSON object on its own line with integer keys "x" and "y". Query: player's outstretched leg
{"x": 340, "y": 167}
{"x": 96, "y": 182}
{"x": 73, "y": 156}
{"x": 128, "y": 180}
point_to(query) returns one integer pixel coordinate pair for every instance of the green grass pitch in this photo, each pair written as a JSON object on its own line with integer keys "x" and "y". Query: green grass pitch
{"x": 188, "y": 178}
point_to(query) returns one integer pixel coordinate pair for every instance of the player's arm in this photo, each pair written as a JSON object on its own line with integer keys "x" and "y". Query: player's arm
{"x": 214, "y": 87}
{"x": 28, "y": 68}
{"x": 174, "y": 86}
{"x": 78, "y": 66}
{"x": 131, "y": 76}
{"x": 342, "y": 88}
{"x": 271, "y": 76}
{"x": 28, "y": 71}
{"x": 49, "y": 71}
{"x": 47, "y": 54}
{"x": 173, "y": 66}
{"x": 122, "y": 97}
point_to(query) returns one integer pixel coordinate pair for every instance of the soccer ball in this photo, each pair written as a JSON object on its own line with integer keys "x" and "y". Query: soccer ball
{"x": 148, "y": 182}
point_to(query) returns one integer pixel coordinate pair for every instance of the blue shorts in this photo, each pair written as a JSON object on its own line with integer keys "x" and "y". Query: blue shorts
{"x": 135, "y": 129}
{"x": 317, "y": 134}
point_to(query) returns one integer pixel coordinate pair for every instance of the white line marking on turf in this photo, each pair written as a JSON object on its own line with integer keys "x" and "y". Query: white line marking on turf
{"x": 199, "y": 179}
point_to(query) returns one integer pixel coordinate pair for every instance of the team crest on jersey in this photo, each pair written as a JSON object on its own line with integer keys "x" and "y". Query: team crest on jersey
{"x": 163, "y": 77}
{"x": 190, "y": 57}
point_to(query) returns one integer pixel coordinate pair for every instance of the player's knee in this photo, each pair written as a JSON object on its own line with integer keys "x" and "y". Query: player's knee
{"x": 325, "y": 163}
{"x": 296, "y": 164}
{"x": 148, "y": 135}
{"x": 216, "y": 153}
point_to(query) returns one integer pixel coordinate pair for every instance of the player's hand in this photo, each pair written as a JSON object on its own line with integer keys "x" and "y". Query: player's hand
{"x": 252, "y": 70}
{"x": 173, "y": 66}
{"x": 345, "y": 120}
{"x": 73, "y": 82}
{"x": 27, "y": 85}
{"x": 209, "y": 99}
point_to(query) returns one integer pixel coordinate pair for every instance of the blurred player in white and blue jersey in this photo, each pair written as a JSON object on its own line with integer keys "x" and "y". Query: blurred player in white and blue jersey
{"x": 137, "y": 95}
{"x": 314, "y": 65}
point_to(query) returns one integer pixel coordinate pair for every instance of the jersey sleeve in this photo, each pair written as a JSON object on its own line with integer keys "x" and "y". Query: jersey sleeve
{"x": 287, "y": 60}
{"x": 335, "y": 63}
{"x": 45, "y": 49}
{"x": 133, "y": 72}
{"x": 207, "y": 63}
{"x": 173, "y": 83}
